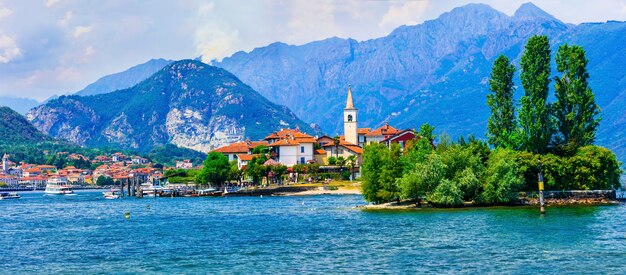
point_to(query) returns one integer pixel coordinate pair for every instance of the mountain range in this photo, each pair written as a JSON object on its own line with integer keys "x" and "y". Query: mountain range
{"x": 436, "y": 72}
{"x": 125, "y": 79}
{"x": 187, "y": 103}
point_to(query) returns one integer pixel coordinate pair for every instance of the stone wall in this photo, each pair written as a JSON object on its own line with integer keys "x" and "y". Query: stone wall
{"x": 570, "y": 197}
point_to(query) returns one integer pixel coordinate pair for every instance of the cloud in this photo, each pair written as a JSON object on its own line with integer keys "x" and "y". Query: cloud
{"x": 4, "y": 12}
{"x": 312, "y": 20}
{"x": 8, "y": 49}
{"x": 81, "y": 30}
{"x": 50, "y": 3}
{"x": 407, "y": 13}
{"x": 214, "y": 39}
{"x": 66, "y": 18}
{"x": 89, "y": 50}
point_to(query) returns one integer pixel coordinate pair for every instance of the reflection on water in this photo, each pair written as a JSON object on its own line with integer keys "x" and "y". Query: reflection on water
{"x": 87, "y": 234}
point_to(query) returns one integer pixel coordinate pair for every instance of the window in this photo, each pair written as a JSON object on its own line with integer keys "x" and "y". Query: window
{"x": 349, "y": 117}
{"x": 302, "y": 161}
{"x": 301, "y": 149}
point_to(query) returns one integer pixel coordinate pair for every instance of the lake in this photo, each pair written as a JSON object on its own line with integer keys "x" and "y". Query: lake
{"x": 317, "y": 234}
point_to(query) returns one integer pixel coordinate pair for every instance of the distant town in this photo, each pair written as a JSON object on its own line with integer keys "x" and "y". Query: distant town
{"x": 286, "y": 147}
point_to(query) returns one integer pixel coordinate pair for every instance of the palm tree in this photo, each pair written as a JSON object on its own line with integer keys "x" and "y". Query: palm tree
{"x": 351, "y": 161}
{"x": 336, "y": 141}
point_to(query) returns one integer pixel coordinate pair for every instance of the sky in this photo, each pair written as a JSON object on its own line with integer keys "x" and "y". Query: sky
{"x": 53, "y": 47}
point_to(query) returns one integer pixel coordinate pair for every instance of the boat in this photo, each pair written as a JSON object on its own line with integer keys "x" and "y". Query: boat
{"x": 209, "y": 192}
{"x": 7, "y": 196}
{"x": 58, "y": 186}
{"x": 112, "y": 194}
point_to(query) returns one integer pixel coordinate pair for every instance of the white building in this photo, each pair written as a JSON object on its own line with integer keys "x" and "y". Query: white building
{"x": 291, "y": 147}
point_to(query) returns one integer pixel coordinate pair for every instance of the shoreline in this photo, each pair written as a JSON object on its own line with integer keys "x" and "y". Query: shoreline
{"x": 411, "y": 205}
{"x": 324, "y": 191}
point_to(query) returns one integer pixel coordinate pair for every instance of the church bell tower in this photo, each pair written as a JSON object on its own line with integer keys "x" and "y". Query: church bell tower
{"x": 350, "y": 120}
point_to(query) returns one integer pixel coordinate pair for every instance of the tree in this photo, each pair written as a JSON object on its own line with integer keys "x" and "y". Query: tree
{"x": 373, "y": 162}
{"x": 261, "y": 149}
{"x": 234, "y": 173}
{"x": 351, "y": 162}
{"x": 256, "y": 168}
{"x": 534, "y": 116}
{"x": 332, "y": 160}
{"x": 391, "y": 171}
{"x": 104, "y": 181}
{"x": 426, "y": 131}
{"x": 279, "y": 170}
{"x": 336, "y": 142}
{"x": 502, "y": 126}
{"x": 576, "y": 112}
{"x": 216, "y": 169}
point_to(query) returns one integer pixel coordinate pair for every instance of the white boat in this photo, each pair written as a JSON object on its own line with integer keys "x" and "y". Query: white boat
{"x": 58, "y": 186}
{"x": 112, "y": 194}
{"x": 7, "y": 196}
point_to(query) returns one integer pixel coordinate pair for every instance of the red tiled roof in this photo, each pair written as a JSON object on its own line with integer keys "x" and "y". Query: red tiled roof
{"x": 363, "y": 131}
{"x": 384, "y": 130}
{"x": 352, "y": 147}
{"x": 240, "y": 147}
{"x": 399, "y": 134}
{"x": 285, "y": 142}
{"x": 245, "y": 157}
{"x": 320, "y": 152}
{"x": 287, "y": 133}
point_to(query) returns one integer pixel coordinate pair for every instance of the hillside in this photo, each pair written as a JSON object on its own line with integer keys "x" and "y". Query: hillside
{"x": 15, "y": 129}
{"x": 125, "y": 79}
{"x": 188, "y": 103}
{"x": 434, "y": 72}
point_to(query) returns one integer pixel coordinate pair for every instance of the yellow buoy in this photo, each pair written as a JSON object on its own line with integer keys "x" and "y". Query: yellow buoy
{"x": 127, "y": 215}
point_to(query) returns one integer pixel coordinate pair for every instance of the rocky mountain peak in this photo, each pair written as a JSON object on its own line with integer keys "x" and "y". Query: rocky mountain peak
{"x": 529, "y": 11}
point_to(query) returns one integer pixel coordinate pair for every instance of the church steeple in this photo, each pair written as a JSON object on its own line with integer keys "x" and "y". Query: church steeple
{"x": 350, "y": 126}
{"x": 349, "y": 104}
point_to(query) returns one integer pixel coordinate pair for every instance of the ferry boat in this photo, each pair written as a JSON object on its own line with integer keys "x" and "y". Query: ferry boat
{"x": 112, "y": 194}
{"x": 7, "y": 196}
{"x": 58, "y": 186}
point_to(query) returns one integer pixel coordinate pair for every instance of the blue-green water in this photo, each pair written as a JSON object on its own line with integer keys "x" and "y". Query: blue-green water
{"x": 319, "y": 234}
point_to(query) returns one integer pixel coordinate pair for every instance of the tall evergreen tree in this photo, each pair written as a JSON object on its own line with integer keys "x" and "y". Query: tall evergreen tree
{"x": 502, "y": 126}
{"x": 534, "y": 116}
{"x": 576, "y": 112}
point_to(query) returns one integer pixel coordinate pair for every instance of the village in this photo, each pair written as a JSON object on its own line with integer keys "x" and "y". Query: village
{"x": 286, "y": 147}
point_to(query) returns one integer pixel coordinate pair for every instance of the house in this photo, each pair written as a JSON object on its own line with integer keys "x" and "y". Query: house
{"x": 320, "y": 156}
{"x": 118, "y": 157}
{"x": 139, "y": 160}
{"x": 291, "y": 147}
{"x": 34, "y": 181}
{"x": 344, "y": 149}
{"x": 381, "y": 133}
{"x": 323, "y": 140}
{"x": 244, "y": 159}
{"x": 238, "y": 148}
{"x": 185, "y": 164}
{"x": 402, "y": 138}
{"x": 362, "y": 132}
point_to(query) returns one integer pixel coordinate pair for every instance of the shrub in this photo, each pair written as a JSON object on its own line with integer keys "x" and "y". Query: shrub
{"x": 424, "y": 178}
{"x": 447, "y": 193}
{"x": 503, "y": 179}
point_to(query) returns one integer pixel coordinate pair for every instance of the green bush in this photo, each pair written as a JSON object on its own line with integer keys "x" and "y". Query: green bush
{"x": 503, "y": 179}
{"x": 424, "y": 178}
{"x": 447, "y": 193}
